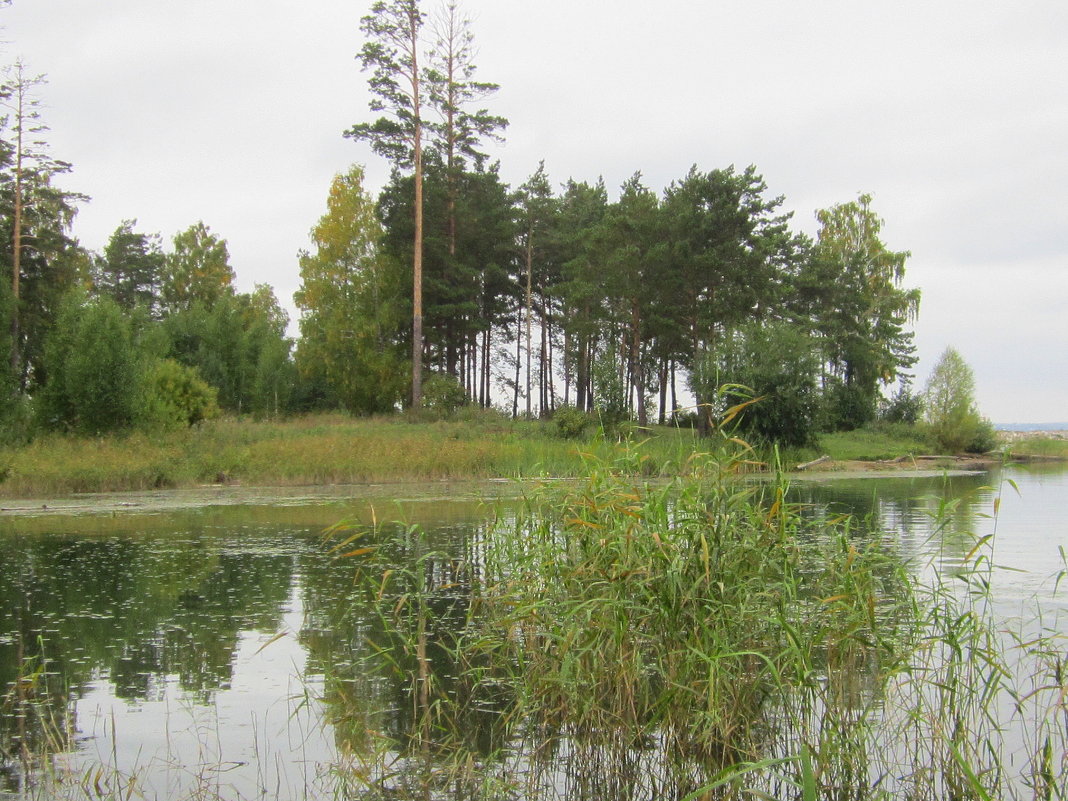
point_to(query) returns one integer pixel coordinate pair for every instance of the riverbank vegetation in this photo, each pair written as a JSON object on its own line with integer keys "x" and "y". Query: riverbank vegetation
{"x": 653, "y": 311}
{"x": 321, "y": 449}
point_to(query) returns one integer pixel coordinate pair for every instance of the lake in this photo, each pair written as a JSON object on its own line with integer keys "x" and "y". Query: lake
{"x": 188, "y": 651}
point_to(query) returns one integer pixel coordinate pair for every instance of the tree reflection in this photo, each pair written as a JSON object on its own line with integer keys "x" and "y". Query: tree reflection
{"x": 132, "y": 611}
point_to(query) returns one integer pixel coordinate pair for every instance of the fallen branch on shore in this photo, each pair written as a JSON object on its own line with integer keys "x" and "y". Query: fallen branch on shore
{"x": 814, "y": 462}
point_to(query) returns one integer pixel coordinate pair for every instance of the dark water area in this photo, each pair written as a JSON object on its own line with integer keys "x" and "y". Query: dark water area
{"x": 209, "y": 652}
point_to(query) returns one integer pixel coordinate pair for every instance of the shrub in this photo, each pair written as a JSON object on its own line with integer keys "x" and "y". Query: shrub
{"x": 443, "y": 394}
{"x": 609, "y": 391}
{"x": 174, "y": 395}
{"x": 98, "y": 375}
{"x": 846, "y": 407}
{"x": 985, "y": 438}
{"x": 904, "y": 406}
{"x": 775, "y": 364}
{"x": 570, "y": 422}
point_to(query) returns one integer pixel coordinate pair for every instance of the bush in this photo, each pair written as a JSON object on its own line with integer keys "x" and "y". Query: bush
{"x": 99, "y": 373}
{"x": 985, "y": 438}
{"x": 571, "y": 422}
{"x": 846, "y": 407}
{"x": 609, "y": 391}
{"x": 174, "y": 396}
{"x": 443, "y": 394}
{"x": 904, "y": 406}
{"x": 775, "y": 363}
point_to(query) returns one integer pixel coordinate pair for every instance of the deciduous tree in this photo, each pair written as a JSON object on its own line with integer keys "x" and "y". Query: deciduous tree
{"x": 852, "y": 290}
{"x": 949, "y": 405}
{"x": 349, "y": 306}
{"x": 198, "y": 269}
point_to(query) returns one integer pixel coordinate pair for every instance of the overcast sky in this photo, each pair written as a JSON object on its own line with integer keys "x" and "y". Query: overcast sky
{"x": 953, "y": 115}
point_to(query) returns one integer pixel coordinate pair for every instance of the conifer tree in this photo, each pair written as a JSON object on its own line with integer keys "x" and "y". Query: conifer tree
{"x": 393, "y": 52}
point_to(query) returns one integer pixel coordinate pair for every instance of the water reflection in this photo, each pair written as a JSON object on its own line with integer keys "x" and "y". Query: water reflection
{"x": 171, "y": 620}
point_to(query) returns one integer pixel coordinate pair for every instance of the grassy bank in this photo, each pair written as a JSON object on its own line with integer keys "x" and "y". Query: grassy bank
{"x": 336, "y": 449}
{"x": 316, "y": 450}
{"x": 1042, "y": 447}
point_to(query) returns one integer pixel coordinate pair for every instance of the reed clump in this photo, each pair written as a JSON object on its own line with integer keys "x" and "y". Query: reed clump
{"x": 703, "y": 638}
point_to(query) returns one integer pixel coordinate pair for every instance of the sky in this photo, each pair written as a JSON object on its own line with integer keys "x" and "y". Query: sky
{"x": 952, "y": 115}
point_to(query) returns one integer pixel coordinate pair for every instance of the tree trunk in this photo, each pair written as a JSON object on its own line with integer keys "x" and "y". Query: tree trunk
{"x": 530, "y": 269}
{"x": 637, "y": 372}
{"x": 549, "y": 337}
{"x": 16, "y": 245}
{"x": 518, "y": 363}
{"x": 417, "y": 255}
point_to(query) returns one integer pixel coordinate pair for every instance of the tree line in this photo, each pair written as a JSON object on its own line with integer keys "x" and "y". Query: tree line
{"x": 530, "y": 298}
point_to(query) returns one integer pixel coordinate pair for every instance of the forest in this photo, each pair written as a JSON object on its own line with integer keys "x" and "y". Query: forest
{"x": 450, "y": 287}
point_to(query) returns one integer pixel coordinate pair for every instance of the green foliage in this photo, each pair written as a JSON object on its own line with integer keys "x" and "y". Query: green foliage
{"x": 570, "y": 422}
{"x": 350, "y": 306}
{"x": 985, "y": 438}
{"x": 904, "y": 406}
{"x": 174, "y": 395}
{"x": 198, "y": 269}
{"x": 238, "y": 346}
{"x": 443, "y": 394}
{"x": 609, "y": 391}
{"x": 845, "y": 406}
{"x": 131, "y": 268}
{"x": 951, "y": 414}
{"x": 851, "y": 290}
{"x": 776, "y": 363}
{"x": 93, "y": 368}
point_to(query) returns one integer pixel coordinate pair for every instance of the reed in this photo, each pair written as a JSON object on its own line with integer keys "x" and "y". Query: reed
{"x": 702, "y": 639}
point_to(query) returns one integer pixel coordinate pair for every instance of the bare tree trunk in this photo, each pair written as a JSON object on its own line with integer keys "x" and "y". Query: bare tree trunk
{"x": 549, "y": 337}
{"x": 663, "y": 376}
{"x": 417, "y": 256}
{"x": 674, "y": 395}
{"x": 16, "y": 245}
{"x": 567, "y": 369}
{"x": 530, "y": 269}
{"x": 635, "y": 360}
{"x": 518, "y": 362}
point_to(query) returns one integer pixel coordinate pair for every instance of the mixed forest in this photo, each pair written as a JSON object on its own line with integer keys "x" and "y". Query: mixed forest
{"x": 449, "y": 287}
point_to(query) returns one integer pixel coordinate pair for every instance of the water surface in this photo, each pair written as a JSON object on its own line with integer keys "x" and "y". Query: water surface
{"x": 187, "y": 648}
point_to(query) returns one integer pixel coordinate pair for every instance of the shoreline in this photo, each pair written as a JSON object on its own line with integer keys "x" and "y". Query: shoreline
{"x": 181, "y": 499}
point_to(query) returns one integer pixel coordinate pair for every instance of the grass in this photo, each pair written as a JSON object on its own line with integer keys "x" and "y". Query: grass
{"x": 314, "y": 450}
{"x": 873, "y": 443}
{"x": 1044, "y": 447}
{"x": 337, "y": 449}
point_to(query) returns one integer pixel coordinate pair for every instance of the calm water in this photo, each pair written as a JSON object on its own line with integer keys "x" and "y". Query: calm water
{"x": 190, "y": 650}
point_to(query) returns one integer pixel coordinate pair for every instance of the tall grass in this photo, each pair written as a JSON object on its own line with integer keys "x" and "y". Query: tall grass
{"x": 704, "y": 639}
{"x": 320, "y": 449}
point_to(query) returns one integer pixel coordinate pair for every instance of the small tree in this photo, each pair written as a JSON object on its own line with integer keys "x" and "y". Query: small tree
{"x": 776, "y": 362}
{"x": 950, "y": 404}
{"x": 93, "y": 368}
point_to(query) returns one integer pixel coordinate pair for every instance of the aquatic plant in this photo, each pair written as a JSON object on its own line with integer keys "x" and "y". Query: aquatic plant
{"x": 702, "y": 638}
